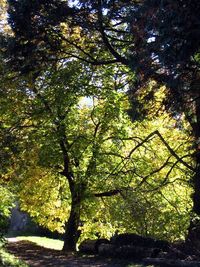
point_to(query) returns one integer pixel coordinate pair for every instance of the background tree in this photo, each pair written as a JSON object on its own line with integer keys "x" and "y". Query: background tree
{"x": 168, "y": 51}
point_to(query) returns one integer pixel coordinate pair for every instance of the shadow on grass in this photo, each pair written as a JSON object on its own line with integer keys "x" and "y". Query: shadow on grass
{"x": 38, "y": 256}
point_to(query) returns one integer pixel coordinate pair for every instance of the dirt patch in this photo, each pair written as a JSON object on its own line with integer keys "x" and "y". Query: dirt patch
{"x": 37, "y": 256}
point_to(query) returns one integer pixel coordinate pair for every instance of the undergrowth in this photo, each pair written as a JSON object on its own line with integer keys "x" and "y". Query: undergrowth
{"x": 8, "y": 260}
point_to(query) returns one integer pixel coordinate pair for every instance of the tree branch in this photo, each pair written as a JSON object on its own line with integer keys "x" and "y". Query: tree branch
{"x": 154, "y": 171}
{"x": 119, "y": 58}
{"x": 173, "y": 152}
{"x": 108, "y": 193}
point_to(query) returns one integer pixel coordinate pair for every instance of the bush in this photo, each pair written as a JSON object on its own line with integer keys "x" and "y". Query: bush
{"x": 2, "y": 241}
{"x": 8, "y": 260}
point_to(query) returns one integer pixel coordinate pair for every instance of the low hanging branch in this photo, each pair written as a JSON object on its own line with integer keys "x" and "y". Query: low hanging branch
{"x": 173, "y": 153}
{"x": 151, "y": 135}
{"x": 108, "y": 193}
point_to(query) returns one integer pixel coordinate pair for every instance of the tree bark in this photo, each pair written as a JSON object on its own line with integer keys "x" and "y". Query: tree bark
{"x": 196, "y": 186}
{"x": 71, "y": 227}
{"x": 194, "y": 228}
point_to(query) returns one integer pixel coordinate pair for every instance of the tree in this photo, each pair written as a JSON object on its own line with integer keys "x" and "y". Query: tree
{"x": 168, "y": 50}
{"x": 70, "y": 138}
{"x": 71, "y": 154}
{"x": 124, "y": 35}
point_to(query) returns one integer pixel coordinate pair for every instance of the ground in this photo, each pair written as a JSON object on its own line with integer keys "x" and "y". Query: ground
{"x": 37, "y": 256}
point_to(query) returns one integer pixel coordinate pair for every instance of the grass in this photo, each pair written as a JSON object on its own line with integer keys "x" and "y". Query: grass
{"x": 43, "y": 241}
{"x": 8, "y": 260}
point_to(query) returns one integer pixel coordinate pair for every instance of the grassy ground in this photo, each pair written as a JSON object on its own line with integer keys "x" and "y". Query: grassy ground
{"x": 52, "y": 244}
{"x": 43, "y": 241}
{"x": 8, "y": 260}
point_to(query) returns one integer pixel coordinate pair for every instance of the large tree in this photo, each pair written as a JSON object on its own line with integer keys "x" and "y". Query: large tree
{"x": 106, "y": 32}
{"x": 71, "y": 153}
{"x": 60, "y": 137}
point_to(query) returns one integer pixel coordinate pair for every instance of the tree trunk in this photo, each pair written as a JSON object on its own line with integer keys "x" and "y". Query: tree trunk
{"x": 194, "y": 228}
{"x": 71, "y": 228}
{"x": 196, "y": 186}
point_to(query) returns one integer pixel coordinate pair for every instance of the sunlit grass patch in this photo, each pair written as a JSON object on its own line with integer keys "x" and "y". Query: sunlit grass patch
{"x": 43, "y": 241}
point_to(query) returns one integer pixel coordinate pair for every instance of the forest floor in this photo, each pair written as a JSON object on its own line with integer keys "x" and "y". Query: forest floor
{"x": 37, "y": 256}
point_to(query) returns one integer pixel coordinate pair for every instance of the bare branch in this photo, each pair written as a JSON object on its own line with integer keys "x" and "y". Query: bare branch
{"x": 173, "y": 152}
{"x": 108, "y": 193}
{"x": 154, "y": 171}
{"x": 105, "y": 39}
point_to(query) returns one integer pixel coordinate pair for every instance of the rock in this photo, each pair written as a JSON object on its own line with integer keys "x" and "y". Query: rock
{"x": 192, "y": 258}
{"x": 89, "y": 246}
{"x": 162, "y": 255}
{"x": 106, "y": 250}
{"x": 132, "y": 252}
{"x": 137, "y": 240}
{"x": 99, "y": 242}
{"x": 175, "y": 253}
